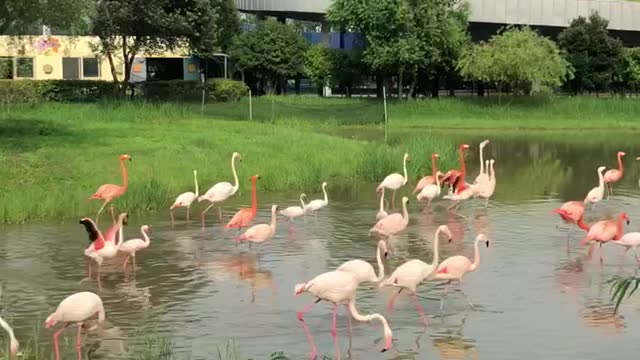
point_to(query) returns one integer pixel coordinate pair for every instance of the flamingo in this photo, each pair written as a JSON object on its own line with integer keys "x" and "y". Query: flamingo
{"x": 318, "y": 204}
{"x": 614, "y": 175}
{"x": 429, "y": 179}
{"x": 132, "y": 246}
{"x": 429, "y": 192}
{"x": 222, "y": 190}
{"x": 456, "y": 178}
{"x": 293, "y": 212}
{"x": 337, "y": 287}
{"x": 455, "y": 267}
{"x": 362, "y": 270}
{"x": 245, "y": 216}
{"x": 572, "y": 212}
{"x": 99, "y": 248}
{"x": 410, "y": 274}
{"x": 381, "y": 212}
{"x": 468, "y": 192}
{"x": 392, "y": 224}
{"x": 487, "y": 190}
{"x": 109, "y": 192}
{"x": 604, "y": 231}
{"x": 13, "y": 342}
{"x": 185, "y": 199}
{"x": 261, "y": 232}
{"x": 630, "y": 241}
{"x": 483, "y": 177}
{"x": 596, "y": 194}
{"x": 395, "y": 181}
{"x": 76, "y": 308}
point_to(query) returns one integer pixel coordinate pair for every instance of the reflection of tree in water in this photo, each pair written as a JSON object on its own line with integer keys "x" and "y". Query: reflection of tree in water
{"x": 536, "y": 178}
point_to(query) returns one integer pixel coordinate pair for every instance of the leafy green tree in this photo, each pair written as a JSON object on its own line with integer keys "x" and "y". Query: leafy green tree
{"x": 592, "y": 53}
{"x": 17, "y": 16}
{"x": 318, "y": 64}
{"x": 273, "y": 52}
{"x": 519, "y": 58}
{"x": 628, "y": 70}
{"x": 348, "y": 69}
{"x": 228, "y": 23}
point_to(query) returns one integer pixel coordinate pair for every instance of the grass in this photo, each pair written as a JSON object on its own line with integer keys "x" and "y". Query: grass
{"x": 56, "y": 155}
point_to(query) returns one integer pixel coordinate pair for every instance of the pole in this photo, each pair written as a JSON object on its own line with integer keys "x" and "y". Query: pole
{"x": 225, "y": 67}
{"x": 202, "y": 80}
{"x": 273, "y": 109}
{"x": 386, "y": 118}
{"x": 250, "y": 107}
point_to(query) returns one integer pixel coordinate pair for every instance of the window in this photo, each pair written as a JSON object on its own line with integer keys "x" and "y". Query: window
{"x": 71, "y": 68}
{"x": 90, "y": 67}
{"x": 6, "y": 68}
{"x": 24, "y": 67}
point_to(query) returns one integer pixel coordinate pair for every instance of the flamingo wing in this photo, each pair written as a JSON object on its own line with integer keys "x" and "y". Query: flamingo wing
{"x": 219, "y": 192}
{"x": 241, "y": 219}
{"x": 393, "y": 181}
{"x": 108, "y": 192}
{"x": 427, "y": 180}
{"x": 133, "y": 245}
{"x": 184, "y": 199}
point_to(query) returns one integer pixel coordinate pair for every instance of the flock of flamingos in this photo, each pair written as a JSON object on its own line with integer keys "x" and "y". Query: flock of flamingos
{"x": 339, "y": 286}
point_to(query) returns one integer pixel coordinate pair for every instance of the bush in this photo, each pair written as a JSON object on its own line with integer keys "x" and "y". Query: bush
{"x": 17, "y": 92}
{"x": 168, "y": 90}
{"x": 223, "y": 90}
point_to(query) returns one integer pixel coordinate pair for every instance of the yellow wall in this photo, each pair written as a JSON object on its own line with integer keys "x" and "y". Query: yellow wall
{"x": 49, "y": 50}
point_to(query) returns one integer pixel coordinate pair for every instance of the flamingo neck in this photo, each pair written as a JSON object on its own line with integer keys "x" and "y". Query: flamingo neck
{"x": 324, "y": 190}
{"x": 254, "y": 196}
{"x": 436, "y": 258}
{"x": 382, "y": 200}
{"x": 235, "y": 175}
{"x": 463, "y": 168}
{"x": 481, "y": 159}
{"x": 380, "y": 264}
{"x": 195, "y": 179}
{"x": 273, "y": 220}
{"x": 145, "y": 236}
{"x": 359, "y": 317}
{"x": 8, "y": 329}
{"x": 492, "y": 173}
{"x": 434, "y": 166}
{"x": 405, "y": 213}
{"x": 404, "y": 169}
{"x": 476, "y": 256}
{"x": 119, "y": 240}
{"x": 582, "y": 225}
{"x": 620, "y": 167}
{"x": 125, "y": 174}
{"x": 302, "y": 202}
{"x": 620, "y": 227}
{"x": 600, "y": 180}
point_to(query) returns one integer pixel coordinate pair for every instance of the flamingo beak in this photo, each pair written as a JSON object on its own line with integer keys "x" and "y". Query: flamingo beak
{"x": 386, "y": 253}
{"x": 450, "y": 240}
{"x": 487, "y": 242}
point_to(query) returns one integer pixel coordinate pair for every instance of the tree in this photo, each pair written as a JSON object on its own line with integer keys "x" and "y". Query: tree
{"x": 520, "y": 58}
{"x": 271, "y": 52}
{"x": 403, "y": 36}
{"x": 318, "y": 64}
{"x": 592, "y": 53}
{"x": 18, "y": 16}
{"x": 628, "y": 70}
{"x": 228, "y": 23}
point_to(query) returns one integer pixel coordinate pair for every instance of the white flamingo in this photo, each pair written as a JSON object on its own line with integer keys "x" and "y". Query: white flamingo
{"x": 395, "y": 181}
{"x": 293, "y": 212}
{"x": 185, "y": 199}
{"x": 630, "y": 241}
{"x": 315, "y": 205}
{"x": 132, "y": 246}
{"x": 410, "y": 274}
{"x": 222, "y": 190}
{"x": 489, "y": 188}
{"x": 13, "y": 342}
{"x": 431, "y": 191}
{"x": 597, "y": 193}
{"x": 381, "y": 212}
{"x": 362, "y": 270}
{"x": 483, "y": 177}
{"x": 261, "y": 232}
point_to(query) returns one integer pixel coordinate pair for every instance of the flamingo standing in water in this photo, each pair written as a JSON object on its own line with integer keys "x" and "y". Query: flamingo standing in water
{"x": 410, "y": 274}
{"x": 455, "y": 267}
{"x": 395, "y": 181}
{"x": 109, "y": 192}
{"x": 261, "y": 232}
{"x": 605, "y": 231}
{"x": 75, "y": 309}
{"x": 185, "y": 199}
{"x": 132, "y": 246}
{"x": 429, "y": 179}
{"x": 483, "y": 177}
{"x": 630, "y": 241}
{"x": 293, "y": 212}
{"x": 13, "y": 342}
{"x": 572, "y": 212}
{"x": 99, "y": 249}
{"x": 245, "y": 216}
{"x": 456, "y": 178}
{"x": 431, "y": 191}
{"x": 392, "y": 224}
{"x": 337, "y": 287}
{"x": 362, "y": 270}
{"x": 381, "y": 211}
{"x": 487, "y": 190}
{"x": 597, "y": 193}
{"x": 315, "y": 205}
{"x": 614, "y": 175}
{"x": 222, "y": 190}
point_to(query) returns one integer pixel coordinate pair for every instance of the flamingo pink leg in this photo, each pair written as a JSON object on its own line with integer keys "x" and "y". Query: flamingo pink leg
{"x": 393, "y": 301}
{"x": 79, "y": 342}
{"x": 56, "y": 346}
{"x": 334, "y": 331}
{"x": 314, "y": 350}
{"x": 349, "y": 319}
{"x": 420, "y": 309}
{"x": 124, "y": 266}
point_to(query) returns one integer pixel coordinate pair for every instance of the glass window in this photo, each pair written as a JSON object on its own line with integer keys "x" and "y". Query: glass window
{"x": 71, "y": 68}
{"x": 90, "y": 67}
{"x": 6, "y": 68}
{"x": 24, "y": 67}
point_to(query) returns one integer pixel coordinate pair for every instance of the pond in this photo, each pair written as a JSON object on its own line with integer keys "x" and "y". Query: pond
{"x": 534, "y": 296}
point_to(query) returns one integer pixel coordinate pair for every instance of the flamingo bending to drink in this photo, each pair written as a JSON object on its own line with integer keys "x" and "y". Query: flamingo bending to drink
{"x": 76, "y": 308}
{"x": 429, "y": 179}
{"x": 245, "y": 216}
{"x": 222, "y": 190}
{"x": 132, "y": 246}
{"x": 185, "y": 199}
{"x": 109, "y": 192}
{"x": 614, "y": 175}
{"x": 337, "y": 287}
{"x": 315, "y": 205}
{"x": 483, "y": 177}
{"x": 392, "y": 224}
{"x": 293, "y": 212}
{"x": 395, "y": 181}
{"x": 605, "y": 231}
{"x": 13, "y": 342}
{"x": 410, "y": 274}
{"x": 362, "y": 270}
{"x": 261, "y": 232}
{"x": 597, "y": 193}
{"x": 381, "y": 212}
{"x": 572, "y": 212}
{"x": 431, "y": 191}
{"x": 455, "y": 267}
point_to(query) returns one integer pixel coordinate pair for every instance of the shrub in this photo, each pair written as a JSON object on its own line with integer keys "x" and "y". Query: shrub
{"x": 168, "y": 90}
{"x": 224, "y": 90}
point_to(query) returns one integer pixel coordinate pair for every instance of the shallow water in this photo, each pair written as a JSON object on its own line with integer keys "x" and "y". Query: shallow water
{"x": 534, "y": 297}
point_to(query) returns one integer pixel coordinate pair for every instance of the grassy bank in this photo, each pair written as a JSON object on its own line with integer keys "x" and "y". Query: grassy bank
{"x": 56, "y": 155}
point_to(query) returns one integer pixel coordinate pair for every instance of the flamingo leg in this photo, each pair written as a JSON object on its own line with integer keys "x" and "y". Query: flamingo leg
{"x": 429, "y": 204}
{"x": 99, "y": 211}
{"x": 444, "y": 294}
{"x": 124, "y": 265}
{"x": 188, "y": 208}
{"x": 486, "y": 203}
{"x": 393, "y": 301}
{"x": 314, "y": 350}
{"x": 350, "y": 325}
{"x": 172, "y": 220}
{"x": 220, "y": 212}
{"x": 79, "y": 342}
{"x": 637, "y": 258}
{"x": 465, "y": 295}
{"x": 420, "y": 309}
{"x": 134, "y": 261}
{"x": 204, "y": 212}
{"x": 393, "y": 199}
{"x": 56, "y": 346}
{"x": 334, "y": 330}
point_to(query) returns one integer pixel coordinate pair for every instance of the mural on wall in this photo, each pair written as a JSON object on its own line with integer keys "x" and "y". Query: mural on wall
{"x": 47, "y": 45}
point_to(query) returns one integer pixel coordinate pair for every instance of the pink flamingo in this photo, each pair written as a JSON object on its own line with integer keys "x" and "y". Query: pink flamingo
{"x": 392, "y": 224}
{"x": 430, "y": 191}
{"x": 410, "y": 274}
{"x": 572, "y": 212}
{"x": 362, "y": 270}
{"x": 395, "y": 181}
{"x": 604, "y": 231}
{"x": 293, "y": 212}
{"x": 185, "y": 199}
{"x": 245, "y": 216}
{"x": 456, "y": 178}
{"x": 132, "y": 246}
{"x": 222, "y": 190}
{"x": 261, "y": 232}
{"x": 99, "y": 248}
{"x": 382, "y": 213}
{"x": 630, "y": 241}
{"x": 337, "y": 287}
{"x": 483, "y": 177}
{"x": 109, "y": 192}
{"x": 76, "y": 308}
{"x": 13, "y": 342}
{"x": 429, "y": 179}
{"x": 455, "y": 267}
{"x": 614, "y": 175}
